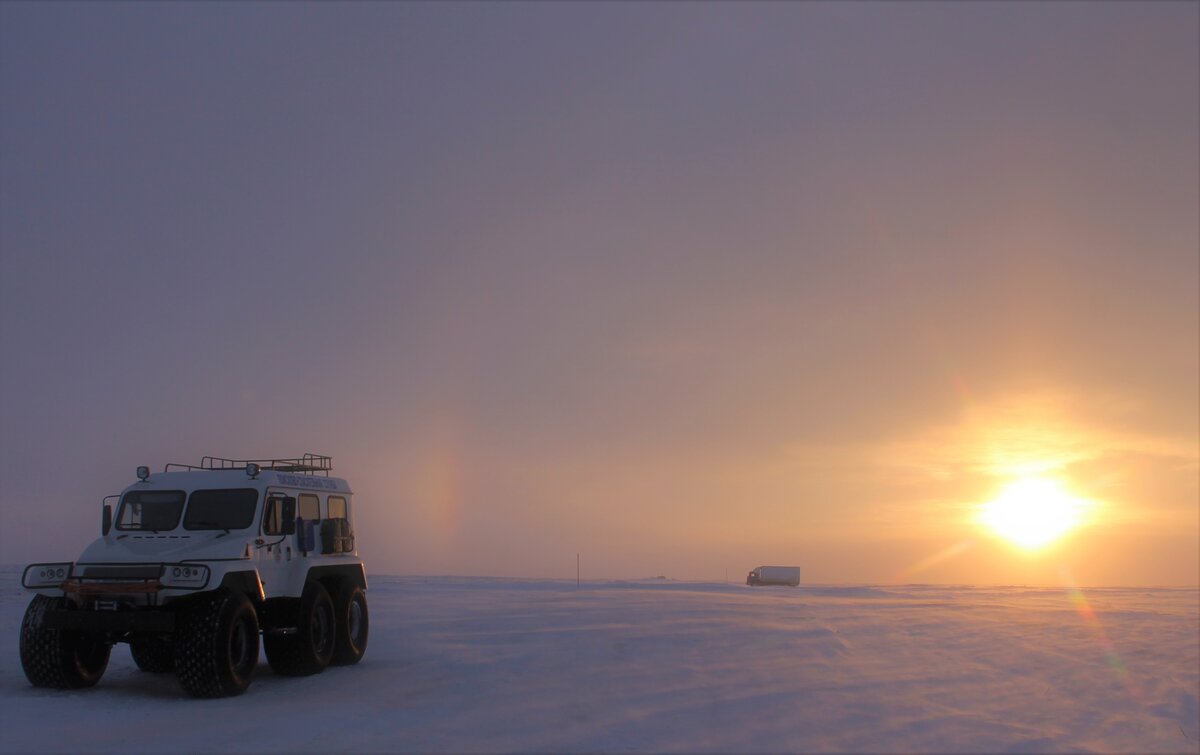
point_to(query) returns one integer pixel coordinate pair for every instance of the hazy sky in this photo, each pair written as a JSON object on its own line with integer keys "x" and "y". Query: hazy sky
{"x": 683, "y": 288}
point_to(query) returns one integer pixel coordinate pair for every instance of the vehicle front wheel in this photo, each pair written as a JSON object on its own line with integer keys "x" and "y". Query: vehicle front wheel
{"x": 216, "y": 645}
{"x": 350, "y": 603}
{"x": 58, "y": 658}
{"x": 310, "y": 648}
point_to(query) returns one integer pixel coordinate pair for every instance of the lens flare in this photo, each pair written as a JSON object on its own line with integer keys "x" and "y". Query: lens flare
{"x": 1092, "y": 621}
{"x": 943, "y": 555}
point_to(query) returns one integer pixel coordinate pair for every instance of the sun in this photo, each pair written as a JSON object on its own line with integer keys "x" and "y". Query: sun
{"x": 1032, "y": 512}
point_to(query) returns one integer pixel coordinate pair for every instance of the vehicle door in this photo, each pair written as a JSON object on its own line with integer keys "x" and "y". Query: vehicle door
{"x": 275, "y": 546}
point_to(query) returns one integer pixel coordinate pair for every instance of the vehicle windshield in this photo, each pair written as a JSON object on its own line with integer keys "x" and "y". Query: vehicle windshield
{"x": 155, "y": 510}
{"x": 221, "y": 509}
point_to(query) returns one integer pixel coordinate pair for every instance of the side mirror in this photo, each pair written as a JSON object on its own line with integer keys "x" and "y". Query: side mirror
{"x": 289, "y": 516}
{"x": 106, "y": 519}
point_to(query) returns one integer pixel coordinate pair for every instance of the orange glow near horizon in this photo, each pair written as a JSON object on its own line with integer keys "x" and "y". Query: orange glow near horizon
{"x": 1033, "y": 512}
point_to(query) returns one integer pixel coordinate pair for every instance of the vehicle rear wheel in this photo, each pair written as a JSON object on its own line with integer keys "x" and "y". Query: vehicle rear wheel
{"x": 352, "y": 624}
{"x": 216, "y": 645}
{"x": 58, "y": 658}
{"x": 310, "y": 649}
{"x": 153, "y": 654}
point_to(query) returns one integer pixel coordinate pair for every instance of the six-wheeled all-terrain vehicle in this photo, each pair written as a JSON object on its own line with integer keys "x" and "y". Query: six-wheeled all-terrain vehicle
{"x": 196, "y": 563}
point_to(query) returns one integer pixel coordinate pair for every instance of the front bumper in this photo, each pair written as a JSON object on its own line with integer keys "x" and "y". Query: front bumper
{"x": 82, "y": 580}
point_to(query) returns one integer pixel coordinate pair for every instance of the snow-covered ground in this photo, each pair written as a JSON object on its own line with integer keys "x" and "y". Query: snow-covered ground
{"x": 484, "y": 665}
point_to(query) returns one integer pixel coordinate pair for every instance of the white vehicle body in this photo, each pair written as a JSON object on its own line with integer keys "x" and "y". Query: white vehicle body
{"x": 774, "y": 575}
{"x": 274, "y": 534}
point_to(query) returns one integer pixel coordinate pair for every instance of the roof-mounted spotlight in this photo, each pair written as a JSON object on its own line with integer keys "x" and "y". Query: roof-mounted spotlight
{"x": 143, "y": 473}
{"x": 252, "y": 470}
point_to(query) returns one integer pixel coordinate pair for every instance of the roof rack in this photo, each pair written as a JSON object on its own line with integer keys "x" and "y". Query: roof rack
{"x": 310, "y": 464}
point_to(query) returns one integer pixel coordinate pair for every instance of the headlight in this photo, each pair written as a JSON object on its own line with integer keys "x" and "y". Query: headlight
{"x": 185, "y": 575}
{"x": 45, "y": 575}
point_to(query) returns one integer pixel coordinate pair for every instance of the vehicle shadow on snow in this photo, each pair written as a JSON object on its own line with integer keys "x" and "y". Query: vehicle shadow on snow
{"x": 134, "y": 683}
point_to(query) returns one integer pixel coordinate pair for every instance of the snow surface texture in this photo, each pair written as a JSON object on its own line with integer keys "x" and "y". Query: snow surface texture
{"x": 459, "y": 665}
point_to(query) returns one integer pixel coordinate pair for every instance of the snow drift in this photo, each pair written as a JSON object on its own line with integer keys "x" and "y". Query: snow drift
{"x": 458, "y": 664}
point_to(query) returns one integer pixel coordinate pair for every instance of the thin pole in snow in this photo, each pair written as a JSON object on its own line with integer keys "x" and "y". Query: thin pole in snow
{"x": 576, "y": 571}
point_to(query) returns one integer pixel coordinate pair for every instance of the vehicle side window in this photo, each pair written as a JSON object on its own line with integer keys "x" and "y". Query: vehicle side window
{"x": 310, "y": 507}
{"x": 155, "y": 510}
{"x": 279, "y": 516}
{"x": 337, "y": 507}
{"x": 335, "y": 531}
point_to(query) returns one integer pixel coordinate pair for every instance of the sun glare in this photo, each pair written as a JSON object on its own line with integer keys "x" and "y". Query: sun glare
{"x": 1032, "y": 512}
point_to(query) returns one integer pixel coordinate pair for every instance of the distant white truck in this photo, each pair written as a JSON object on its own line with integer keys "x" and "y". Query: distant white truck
{"x": 774, "y": 575}
{"x": 194, "y": 564}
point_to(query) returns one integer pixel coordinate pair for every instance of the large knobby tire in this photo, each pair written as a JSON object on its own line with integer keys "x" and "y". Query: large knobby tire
{"x": 310, "y": 648}
{"x": 153, "y": 654}
{"x": 57, "y": 658}
{"x": 216, "y": 645}
{"x": 353, "y": 624}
